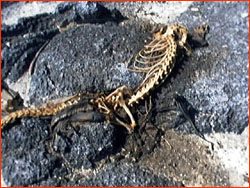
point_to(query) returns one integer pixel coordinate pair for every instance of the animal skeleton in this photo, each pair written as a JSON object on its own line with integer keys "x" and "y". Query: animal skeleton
{"x": 156, "y": 60}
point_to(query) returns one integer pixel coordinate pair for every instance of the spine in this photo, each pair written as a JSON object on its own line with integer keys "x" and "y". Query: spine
{"x": 154, "y": 76}
{"x": 49, "y": 110}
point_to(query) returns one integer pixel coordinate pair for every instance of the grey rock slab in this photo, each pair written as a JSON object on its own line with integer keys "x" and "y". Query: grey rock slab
{"x": 22, "y": 40}
{"x": 221, "y": 94}
{"x": 214, "y": 80}
{"x": 88, "y": 59}
{"x": 27, "y": 158}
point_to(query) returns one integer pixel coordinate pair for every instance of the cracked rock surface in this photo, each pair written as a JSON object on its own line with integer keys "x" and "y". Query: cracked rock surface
{"x": 89, "y": 54}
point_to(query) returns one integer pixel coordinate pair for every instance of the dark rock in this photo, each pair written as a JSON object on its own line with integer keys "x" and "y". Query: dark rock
{"x": 89, "y": 145}
{"x": 89, "y": 50}
{"x": 26, "y": 137}
{"x": 63, "y": 7}
{"x": 25, "y": 159}
{"x": 7, "y": 3}
{"x": 215, "y": 78}
{"x": 23, "y": 169}
{"x": 16, "y": 59}
{"x": 126, "y": 175}
{"x": 88, "y": 12}
{"x": 26, "y": 25}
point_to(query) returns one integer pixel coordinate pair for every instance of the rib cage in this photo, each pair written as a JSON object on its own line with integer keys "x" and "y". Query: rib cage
{"x": 157, "y": 60}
